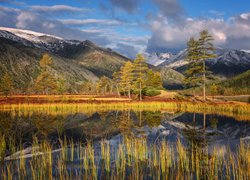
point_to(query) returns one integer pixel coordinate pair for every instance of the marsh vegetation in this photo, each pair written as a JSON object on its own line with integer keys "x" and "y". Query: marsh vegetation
{"x": 122, "y": 140}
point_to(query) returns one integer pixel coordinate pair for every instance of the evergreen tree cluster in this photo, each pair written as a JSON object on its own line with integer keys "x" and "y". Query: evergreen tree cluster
{"x": 135, "y": 77}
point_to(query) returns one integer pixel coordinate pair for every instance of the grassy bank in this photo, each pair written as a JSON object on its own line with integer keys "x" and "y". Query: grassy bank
{"x": 240, "y": 110}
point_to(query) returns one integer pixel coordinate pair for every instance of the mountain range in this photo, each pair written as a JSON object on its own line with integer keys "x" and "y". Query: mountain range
{"x": 79, "y": 61}
{"x": 227, "y": 64}
{"x": 76, "y": 61}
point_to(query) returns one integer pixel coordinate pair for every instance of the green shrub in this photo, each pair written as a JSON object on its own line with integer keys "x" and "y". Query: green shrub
{"x": 152, "y": 92}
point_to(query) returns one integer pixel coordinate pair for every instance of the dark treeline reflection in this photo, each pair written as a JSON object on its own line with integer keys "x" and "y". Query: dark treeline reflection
{"x": 198, "y": 129}
{"x": 89, "y": 125}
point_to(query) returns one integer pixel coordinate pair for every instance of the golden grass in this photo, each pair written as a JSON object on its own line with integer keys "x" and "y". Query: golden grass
{"x": 132, "y": 159}
{"x": 239, "y": 111}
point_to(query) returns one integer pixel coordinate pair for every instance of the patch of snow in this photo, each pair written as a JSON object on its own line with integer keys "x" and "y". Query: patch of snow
{"x": 165, "y": 55}
{"x": 157, "y": 58}
{"x": 245, "y": 50}
{"x": 36, "y": 39}
{"x": 178, "y": 63}
{"x": 28, "y": 35}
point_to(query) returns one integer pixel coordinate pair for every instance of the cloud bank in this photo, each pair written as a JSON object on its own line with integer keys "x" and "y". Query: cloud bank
{"x": 233, "y": 33}
{"x": 165, "y": 27}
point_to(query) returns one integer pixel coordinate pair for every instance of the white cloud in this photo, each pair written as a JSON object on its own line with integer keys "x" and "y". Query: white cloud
{"x": 233, "y": 33}
{"x": 245, "y": 16}
{"x": 93, "y": 30}
{"x": 90, "y": 21}
{"x": 125, "y": 44}
{"x": 32, "y": 21}
{"x": 57, "y": 8}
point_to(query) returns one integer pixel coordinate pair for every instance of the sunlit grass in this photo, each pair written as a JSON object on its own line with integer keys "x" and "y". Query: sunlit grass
{"x": 239, "y": 111}
{"x": 132, "y": 158}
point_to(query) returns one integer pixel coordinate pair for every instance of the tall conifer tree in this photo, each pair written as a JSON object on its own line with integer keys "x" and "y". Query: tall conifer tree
{"x": 198, "y": 52}
{"x": 194, "y": 71}
{"x": 140, "y": 72}
{"x": 127, "y": 77}
{"x": 206, "y": 49}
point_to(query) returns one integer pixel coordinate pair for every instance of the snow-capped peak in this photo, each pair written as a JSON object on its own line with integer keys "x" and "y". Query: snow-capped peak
{"x": 165, "y": 55}
{"x": 36, "y": 39}
{"x": 157, "y": 58}
{"x": 29, "y": 35}
{"x": 246, "y": 50}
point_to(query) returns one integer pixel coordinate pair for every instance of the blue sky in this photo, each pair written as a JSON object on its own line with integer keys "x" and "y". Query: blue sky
{"x": 133, "y": 26}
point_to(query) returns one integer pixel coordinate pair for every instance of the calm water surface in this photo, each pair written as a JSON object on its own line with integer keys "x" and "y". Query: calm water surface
{"x": 206, "y": 129}
{"x": 202, "y": 130}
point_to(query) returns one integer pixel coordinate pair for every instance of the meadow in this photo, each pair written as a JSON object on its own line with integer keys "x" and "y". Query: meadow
{"x": 239, "y": 110}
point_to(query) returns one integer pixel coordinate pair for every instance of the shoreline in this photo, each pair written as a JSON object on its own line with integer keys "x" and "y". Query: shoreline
{"x": 239, "y": 110}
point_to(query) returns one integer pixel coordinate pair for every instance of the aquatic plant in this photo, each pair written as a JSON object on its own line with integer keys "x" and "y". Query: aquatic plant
{"x": 132, "y": 158}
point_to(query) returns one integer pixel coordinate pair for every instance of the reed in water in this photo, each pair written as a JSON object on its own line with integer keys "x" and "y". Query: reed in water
{"x": 132, "y": 158}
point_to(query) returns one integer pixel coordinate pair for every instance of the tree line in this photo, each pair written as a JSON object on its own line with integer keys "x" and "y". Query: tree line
{"x": 133, "y": 79}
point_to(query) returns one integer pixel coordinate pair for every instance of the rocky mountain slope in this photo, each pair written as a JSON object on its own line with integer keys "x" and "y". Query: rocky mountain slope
{"x": 76, "y": 61}
{"x": 227, "y": 64}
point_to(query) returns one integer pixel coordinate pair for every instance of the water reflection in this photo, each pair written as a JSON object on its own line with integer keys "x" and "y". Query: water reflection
{"x": 191, "y": 128}
{"x": 134, "y": 140}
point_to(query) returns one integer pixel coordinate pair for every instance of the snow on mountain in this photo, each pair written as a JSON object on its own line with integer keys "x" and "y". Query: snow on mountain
{"x": 233, "y": 57}
{"x": 175, "y": 60}
{"x": 228, "y": 62}
{"x": 165, "y": 55}
{"x": 246, "y": 50}
{"x": 29, "y": 35}
{"x": 35, "y": 39}
{"x": 157, "y": 58}
{"x": 225, "y": 56}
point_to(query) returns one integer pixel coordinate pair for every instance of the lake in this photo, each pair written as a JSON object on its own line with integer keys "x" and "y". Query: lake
{"x": 136, "y": 144}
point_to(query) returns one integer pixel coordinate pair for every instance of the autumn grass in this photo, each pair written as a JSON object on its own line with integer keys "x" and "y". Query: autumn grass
{"x": 240, "y": 111}
{"x": 64, "y": 98}
{"x": 132, "y": 158}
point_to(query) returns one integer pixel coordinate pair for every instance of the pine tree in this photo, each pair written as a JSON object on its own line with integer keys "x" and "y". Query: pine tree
{"x": 103, "y": 84}
{"x": 206, "y": 49}
{"x": 46, "y": 82}
{"x": 127, "y": 77}
{"x": 61, "y": 85}
{"x": 153, "y": 79}
{"x": 117, "y": 79}
{"x": 45, "y": 62}
{"x": 194, "y": 72}
{"x": 198, "y": 52}
{"x": 6, "y": 84}
{"x": 140, "y": 70}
